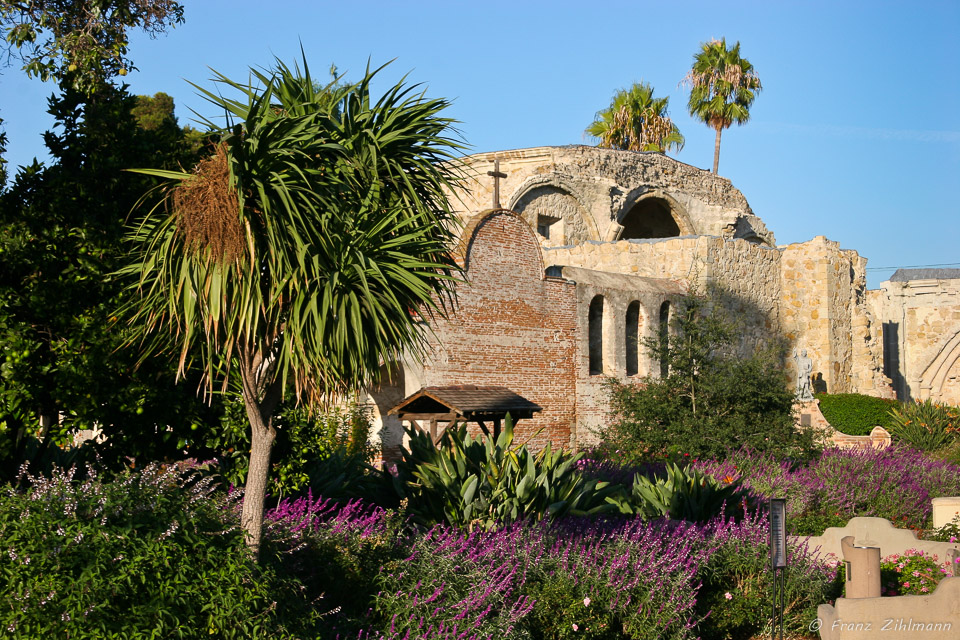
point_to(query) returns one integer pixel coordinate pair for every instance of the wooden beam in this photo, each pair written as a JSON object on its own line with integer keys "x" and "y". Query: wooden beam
{"x": 483, "y": 427}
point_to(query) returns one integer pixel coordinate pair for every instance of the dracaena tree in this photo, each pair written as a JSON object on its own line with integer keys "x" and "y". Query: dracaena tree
{"x": 636, "y": 121}
{"x": 723, "y": 86}
{"x": 309, "y": 249}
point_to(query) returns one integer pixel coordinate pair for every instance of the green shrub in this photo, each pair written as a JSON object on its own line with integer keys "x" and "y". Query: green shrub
{"x": 154, "y": 553}
{"x": 814, "y": 523}
{"x": 925, "y": 426}
{"x": 711, "y": 400}
{"x": 949, "y": 532}
{"x": 855, "y": 414}
{"x": 472, "y": 482}
{"x": 736, "y": 586}
{"x": 304, "y": 441}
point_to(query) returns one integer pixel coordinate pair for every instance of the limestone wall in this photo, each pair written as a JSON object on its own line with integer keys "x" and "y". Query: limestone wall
{"x": 631, "y": 313}
{"x": 823, "y": 309}
{"x": 921, "y": 321}
{"x": 748, "y": 272}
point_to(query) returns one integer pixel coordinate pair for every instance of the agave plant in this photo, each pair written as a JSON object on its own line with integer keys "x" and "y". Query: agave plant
{"x": 481, "y": 482}
{"x": 683, "y": 494}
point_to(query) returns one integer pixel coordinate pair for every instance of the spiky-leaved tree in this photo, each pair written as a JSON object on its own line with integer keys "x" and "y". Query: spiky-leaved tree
{"x": 723, "y": 86}
{"x": 306, "y": 251}
{"x": 636, "y": 121}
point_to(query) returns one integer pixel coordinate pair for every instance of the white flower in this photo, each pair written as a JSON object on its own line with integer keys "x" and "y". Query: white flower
{"x": 586, "y": 602}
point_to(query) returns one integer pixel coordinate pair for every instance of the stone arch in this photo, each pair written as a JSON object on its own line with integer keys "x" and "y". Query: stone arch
{"x": 934, "y": 377}
{"x": 499, "y": 244}
{"x": 556, "y": 201}
{"x": 650, "y": 213}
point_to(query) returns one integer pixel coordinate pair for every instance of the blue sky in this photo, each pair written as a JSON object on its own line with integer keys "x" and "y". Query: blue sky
{"x": 855, "y": 135}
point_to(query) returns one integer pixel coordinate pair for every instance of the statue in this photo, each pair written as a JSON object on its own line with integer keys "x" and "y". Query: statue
{"x": 804, "y": 373}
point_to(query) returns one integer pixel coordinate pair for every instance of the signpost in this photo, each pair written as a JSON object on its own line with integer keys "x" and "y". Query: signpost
{"x": 778, "y": 561}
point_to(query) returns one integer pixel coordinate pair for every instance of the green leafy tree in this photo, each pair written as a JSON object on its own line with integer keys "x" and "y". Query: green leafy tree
{"x": 636, "y": 121}
{"x": 61, "y": 231}
{"x": 723, "y": 86}
{"x": 711, "y": 399}
{"x": 81, "y": 42}
{"x": 3, "y": 162}
{"x": 310, "y": 248}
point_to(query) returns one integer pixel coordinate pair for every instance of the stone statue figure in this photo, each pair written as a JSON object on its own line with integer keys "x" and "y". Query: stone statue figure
{"x": 804, "y": 373}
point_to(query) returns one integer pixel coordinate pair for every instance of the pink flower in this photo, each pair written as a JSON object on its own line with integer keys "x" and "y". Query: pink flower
{"x": 575, "y": 627}
{"x": 586, "y": 602}
{"x": 728, "y": 596}
{"x": 906, "y": 584}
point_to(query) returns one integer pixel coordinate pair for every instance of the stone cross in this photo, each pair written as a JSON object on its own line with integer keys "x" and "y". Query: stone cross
{"x": 497, "y": 174}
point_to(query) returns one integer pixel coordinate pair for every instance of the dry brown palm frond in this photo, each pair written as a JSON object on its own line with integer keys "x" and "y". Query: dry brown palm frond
{"x": 208, "y": 210}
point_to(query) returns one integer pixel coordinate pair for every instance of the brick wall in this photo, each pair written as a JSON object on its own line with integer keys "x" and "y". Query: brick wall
{"x": 513, "y": 327}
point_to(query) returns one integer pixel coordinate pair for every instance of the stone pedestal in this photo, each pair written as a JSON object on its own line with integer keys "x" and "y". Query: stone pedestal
{"x": 945, "y": 510}
{"x": 863, "y": 569}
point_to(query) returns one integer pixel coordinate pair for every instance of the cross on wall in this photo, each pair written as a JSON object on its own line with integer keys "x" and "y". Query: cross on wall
{"x": 496, "y": 174}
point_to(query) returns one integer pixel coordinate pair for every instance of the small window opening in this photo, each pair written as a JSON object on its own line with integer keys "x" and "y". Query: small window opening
{"x": 550, "y": 228}
{"x": 595, "y": 335}
{"x": 633, "y": 338}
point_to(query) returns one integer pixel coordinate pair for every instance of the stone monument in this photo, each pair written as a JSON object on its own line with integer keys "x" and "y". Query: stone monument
{"x": 804, "y": 373}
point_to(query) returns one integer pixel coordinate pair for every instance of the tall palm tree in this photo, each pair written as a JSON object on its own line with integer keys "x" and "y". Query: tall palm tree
{"x": 306, "y": 251}
{"x": 636, "y": 121}
{"x": 722, "y": 87}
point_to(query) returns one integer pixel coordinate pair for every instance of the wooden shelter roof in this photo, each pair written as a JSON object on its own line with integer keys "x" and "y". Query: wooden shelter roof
{"x": 465, "y": 401}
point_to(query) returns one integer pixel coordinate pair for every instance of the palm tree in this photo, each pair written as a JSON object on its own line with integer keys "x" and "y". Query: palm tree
{"x": 306, "y": 251}
{"x": 722, "y": 87}
{"x": 636, "y": 121}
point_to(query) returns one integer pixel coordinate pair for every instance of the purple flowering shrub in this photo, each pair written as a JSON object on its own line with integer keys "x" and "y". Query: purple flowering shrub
{"x": 336, "y": 551}
{"x": 736, "y": 582}
{"x": 895, "y": 483}
{"x": 574, "y": 578}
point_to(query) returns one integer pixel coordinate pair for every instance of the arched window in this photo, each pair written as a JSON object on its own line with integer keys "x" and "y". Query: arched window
{"x": 664, "y": 338}
{"x": 633, "y": 338}
{"x": 595, "y": 335}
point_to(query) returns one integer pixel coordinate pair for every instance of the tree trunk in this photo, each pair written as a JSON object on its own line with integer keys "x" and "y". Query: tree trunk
{"x": 262, "y": 435}
{"x": 260, "y": 398}
{"x": 716, "y": 151}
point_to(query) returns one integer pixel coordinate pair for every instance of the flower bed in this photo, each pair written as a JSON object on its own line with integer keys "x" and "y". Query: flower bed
{"x": 577, "y": 578}
{"x": 895, "y": 483}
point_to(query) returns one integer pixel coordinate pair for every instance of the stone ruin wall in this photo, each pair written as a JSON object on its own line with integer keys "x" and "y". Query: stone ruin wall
{"x": 602, "y": 185}
{"x": 748, "y": 272}
{"x": 813, "y": 293}
{"x": 922, "y": 320}
{"x": 529, "y": 332}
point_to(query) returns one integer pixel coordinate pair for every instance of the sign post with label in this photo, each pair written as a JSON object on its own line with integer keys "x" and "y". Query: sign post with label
{"x": 778, "y": 561}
